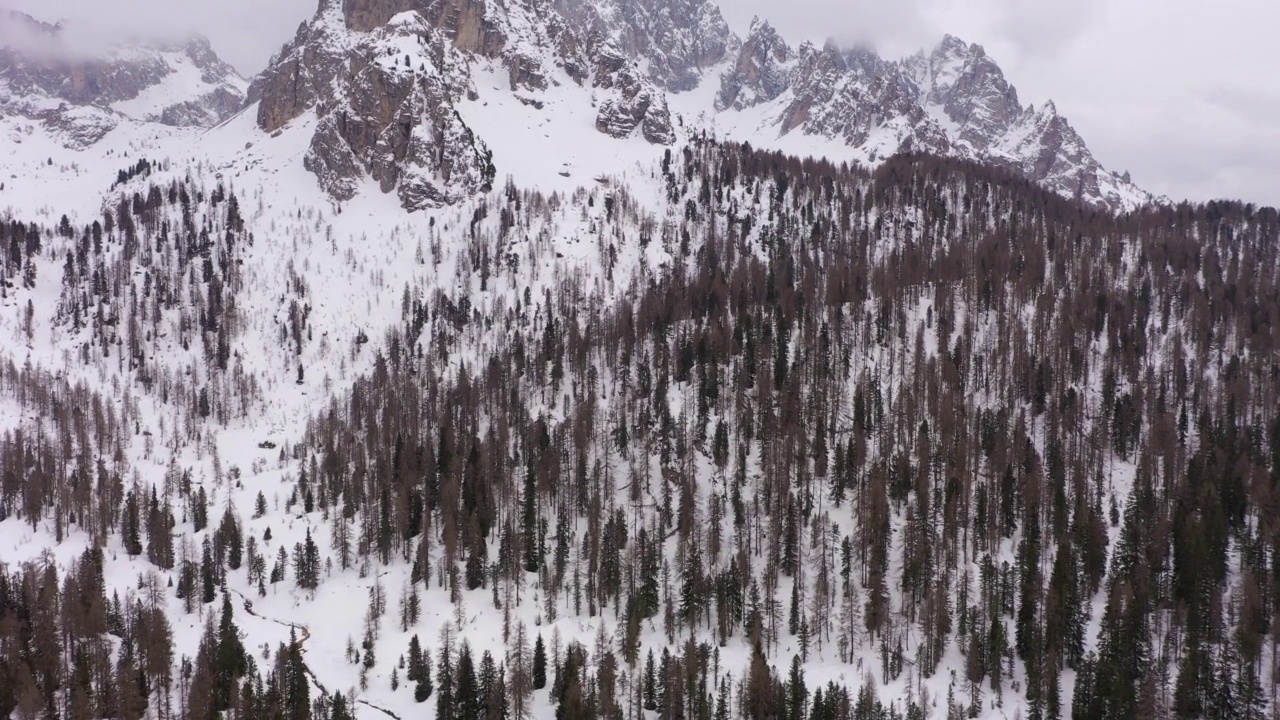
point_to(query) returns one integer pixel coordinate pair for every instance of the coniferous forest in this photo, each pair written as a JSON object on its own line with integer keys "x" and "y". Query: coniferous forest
{"x": 928, "y": 442}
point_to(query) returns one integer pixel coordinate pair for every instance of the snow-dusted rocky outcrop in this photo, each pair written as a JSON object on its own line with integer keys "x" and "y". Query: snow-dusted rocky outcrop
{"x": 385, "y": 107}
{"x": 384, "y": 78}
{"x": 629, "y": 57}
{"x": 759, "y": 73}
{"x": 676, "y": 41}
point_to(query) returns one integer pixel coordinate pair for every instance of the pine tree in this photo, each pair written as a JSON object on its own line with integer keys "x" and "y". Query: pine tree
{"x": 338, "y": 708}
{"x": 692, "y": 594}
{"x": 132, "y": 535}
{"x": 208, "y": 575}
{"x": 488, "y": 682}
{"x": 229, "y": 532}
{"x": 446, "y": 704}
{"x": 797, "y": 693}
{"x": 425, "y": 687}
{"x": 793, "y": 616}
{"x": 159, "y": 533}
{"x": 466, "y": 692}
{"x": 539, "y": 664}
{"x": 294, "y": 683}
{"x": 1224, "y": 696}
{"x": 722, "y": 702}
{"x": 230, "y": 660}
{"x": 306, "y": 560}
{"x": 477, "y": 562}
{"x": 415, "y": 667}
{"x": 761, "y": 700}
{"x": 650, "y": 685}
{"x": 200, "y": 510}
{"x": 529, "y": 520}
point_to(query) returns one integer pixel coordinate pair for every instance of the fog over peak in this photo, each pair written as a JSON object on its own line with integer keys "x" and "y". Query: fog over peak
{"x": 75, "y": 39}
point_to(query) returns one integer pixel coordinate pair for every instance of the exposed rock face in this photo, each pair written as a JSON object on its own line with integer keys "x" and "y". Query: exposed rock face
{"x": 305, "y": 71}
{"x": 1044, "y": 147}
{"x": 676, "y": 40}
{"x": 970, "y": 90}
{"x": 366, "y": 15}
{"x": 208, "y": 110}
{"x": 474, "y": 26}
{"x": 760, "y": 72}
{"x": 383, "y": 78}
{"x": 859, "y": 99}
{"x": 394, "y": 120}
{"x": 463, "y": 21}
{"x": 961, "y": 83}
{"x": 611, "y": 37}
{"x": 467, "y": 24}
{"x": 384, "y": 90}
{"x": 77, "y": 126}
{"x": 631, "y": 102}
{"x": 175, "y": 84}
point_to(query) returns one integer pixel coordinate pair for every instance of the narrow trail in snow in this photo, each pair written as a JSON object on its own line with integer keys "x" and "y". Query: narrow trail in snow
{"x": 382, "y": 710}
{"x": 302, "y": 641}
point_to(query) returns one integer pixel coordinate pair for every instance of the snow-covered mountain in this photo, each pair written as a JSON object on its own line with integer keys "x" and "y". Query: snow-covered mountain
{"x": 953, "y": 100}
{"x": 81, "y": 90}
{"x": 383, "y": 84}
{"x": 385, "y": 77}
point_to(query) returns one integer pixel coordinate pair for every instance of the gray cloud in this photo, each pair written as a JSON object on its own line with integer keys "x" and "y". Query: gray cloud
{"x": 72, "y": 43}
{"x": 244, "y": 32}
{"x": 889, "y": 27}
{"x": 1037, "y": 27}
{"x": 1258, "y": 106}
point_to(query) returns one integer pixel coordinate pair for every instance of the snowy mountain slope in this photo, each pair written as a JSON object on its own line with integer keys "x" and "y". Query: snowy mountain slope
{"x": 330, "y": 317}
{"x": 303, "y": 252}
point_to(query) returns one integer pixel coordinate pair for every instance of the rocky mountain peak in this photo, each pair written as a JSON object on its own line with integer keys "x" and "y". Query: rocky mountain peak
{"x": 384, "y": 78}
{"x": 676, "y": 40}
{"x": 384, "y": 101}
{"x": 1044, "y": 147}
{"x": 761, "y": 27}
{"x": 759, "y": 73}
{"x": 962, "y": 84}
{"x": 856, "y": 98}
{"x": 955, "y": 46}
{"x": 953, "y": 100}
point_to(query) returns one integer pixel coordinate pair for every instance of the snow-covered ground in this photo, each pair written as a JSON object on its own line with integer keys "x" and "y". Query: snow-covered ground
{"x": 352, "y": 263}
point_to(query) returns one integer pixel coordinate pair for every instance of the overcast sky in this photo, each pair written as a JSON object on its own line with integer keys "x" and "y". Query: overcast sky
{"x": 1185, "y": 94}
